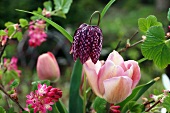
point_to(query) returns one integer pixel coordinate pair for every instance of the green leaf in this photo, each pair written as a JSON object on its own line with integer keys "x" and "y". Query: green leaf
{"x": 23, "y": 22}
{"x": 18, "y": 35}
{"x": 168, "y": 16}
{"x": 155, "y": 47}
{"x": 11, "y": 110}
{"x": 39, "y": 11}
{"x": 0, "y": 95}
{"x": 59, "y": 28}
{"x": 99, "y": 105}
{"x": 2, "y": 33}
{"x": 2, "y": 110}
{"x": 62, "y": 5}
{"x": 15, "y": 83}
{"x": 166, "y": 103}
{"x": 136, "y": 94}
{"x": 35, "y": 83}
{"x": 54, "y": 109}
{"x": 135, "y": 108}
{"x": 7, "y": 24}
{"x": 145, "y": 23}
{"x": 75, "y": 101}
{"x": 61, "y": 107}
{"x": 60, "y": 14}
{"x": 48, "y": 5}
{"x": 11, "y": 30}
{"x": 9, "y": 76}
{"x": 106, "y": 8}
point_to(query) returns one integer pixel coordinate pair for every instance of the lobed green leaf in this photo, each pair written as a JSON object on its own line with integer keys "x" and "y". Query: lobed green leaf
{"x": 155, "y": 47}
{"x": 23, "y": 22}
{"x": 2, "y": 33}
{"x": 48, "y": 5}
{"x": 99, "y": 105}
{"x": 62, "y": 5}
{"x": 145, "y": 23}
{"x": 166, "y": 103}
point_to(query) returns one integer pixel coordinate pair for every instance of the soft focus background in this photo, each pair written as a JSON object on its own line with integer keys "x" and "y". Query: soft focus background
{"x": 119, "y": 24}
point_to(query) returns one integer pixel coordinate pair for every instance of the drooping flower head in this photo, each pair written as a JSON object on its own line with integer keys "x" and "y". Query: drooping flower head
{"x": 42, "y": 98}
{"x": 87, "y": 43}
{"x": 37, "y": 33}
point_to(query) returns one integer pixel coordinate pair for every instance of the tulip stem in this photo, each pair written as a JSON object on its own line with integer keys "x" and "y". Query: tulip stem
{"x": 84, "y": 94}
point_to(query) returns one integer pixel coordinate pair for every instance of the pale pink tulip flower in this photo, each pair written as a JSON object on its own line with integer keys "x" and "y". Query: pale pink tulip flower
{"x": 47, "y": 67}
{"x": 113, "y": 80}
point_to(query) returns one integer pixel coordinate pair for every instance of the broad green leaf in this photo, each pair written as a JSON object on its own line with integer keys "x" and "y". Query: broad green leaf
{"x": 2, "y": 110}
{"x": 145, "y": 23}
{"x": 35, "y": 17}
{"x": 9, "y": 76}
{"x": 60, "y": 14}
{"x": 18, "y": 35}
{"x": 58, "y": 27}
{"x": 2, "y": 33}
{"x": 11, "y": 110}
{"x": 7, "y": 24}
{"x": 61, "y": 107}
{"x": 11, "y": 30}
{"x": 166, "y": 103}
{"x": 168, "y": 16}
{"x": 75, "y": 101}
{"x": 99, "y": 105}
{"x": 62, "y": 5}
{"x": 155, "y": 47}
{"x": 48, "y": 5}
{"x": 106, "y": 8}
{"x": 23, "y": 22}
{"x": 136, "y": 94}
{"x": 135, "y": 108}
{"x": 15, "y": 83}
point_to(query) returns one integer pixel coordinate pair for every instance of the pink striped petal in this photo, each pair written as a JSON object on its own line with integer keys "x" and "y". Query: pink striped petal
{"x": 89, "y": 68}
{"x": 115, "y": 57}
{"x": 136, "y": 71}
{"x": 117, "y": 89}
{"x": 108, "y": 70}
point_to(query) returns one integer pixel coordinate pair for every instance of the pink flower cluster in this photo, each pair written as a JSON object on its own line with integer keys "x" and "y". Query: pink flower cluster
{"x": 36, "y": 33}
{"x": 3, "y": 39}
{"x": 12, "y": 65}
{"x": 43, "y": 98}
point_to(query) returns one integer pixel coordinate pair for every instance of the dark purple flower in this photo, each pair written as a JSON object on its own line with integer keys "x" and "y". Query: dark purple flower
{"x": 87, "y": 43}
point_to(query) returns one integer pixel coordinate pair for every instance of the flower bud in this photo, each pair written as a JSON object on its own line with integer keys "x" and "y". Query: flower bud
{"x": 47, "y": 67}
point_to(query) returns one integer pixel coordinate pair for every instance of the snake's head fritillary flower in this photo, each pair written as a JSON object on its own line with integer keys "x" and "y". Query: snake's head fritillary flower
{"x": 87, "y": 43}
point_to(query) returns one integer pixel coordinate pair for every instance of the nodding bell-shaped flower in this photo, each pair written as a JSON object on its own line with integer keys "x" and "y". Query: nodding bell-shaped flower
{"x": 87, "y": 42}
{"x": 47, "y": 67}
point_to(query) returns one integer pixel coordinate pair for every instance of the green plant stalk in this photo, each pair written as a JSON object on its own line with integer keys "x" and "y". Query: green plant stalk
{"x": 84, "y": 94}
{"x": 106, "y": 8}
{"x": 58, "y": 27}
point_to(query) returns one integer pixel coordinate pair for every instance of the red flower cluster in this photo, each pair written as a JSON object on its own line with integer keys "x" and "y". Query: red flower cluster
{"x": 43, "y": 98}
{"x": 36, "y": 33}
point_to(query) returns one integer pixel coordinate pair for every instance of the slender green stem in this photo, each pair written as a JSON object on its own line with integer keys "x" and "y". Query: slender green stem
{"x": 141, "y": 60}
{"x": 84, "y": 94}
{"x": 99, "y": 16}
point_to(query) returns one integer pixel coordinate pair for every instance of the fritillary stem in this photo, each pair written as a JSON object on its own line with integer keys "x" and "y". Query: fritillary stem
{"x": 99, "y": 16}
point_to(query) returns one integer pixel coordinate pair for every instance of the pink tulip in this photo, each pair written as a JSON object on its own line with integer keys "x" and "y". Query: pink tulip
{"x": 47, "y": 67}
{"x": 114, "y": 79}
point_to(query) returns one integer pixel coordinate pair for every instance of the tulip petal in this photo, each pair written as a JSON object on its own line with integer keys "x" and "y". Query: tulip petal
{"x": 117, "y": 89}
{"x": 136, "y": 71}
{"x": 108, "y": 70}
{"x": 115, "y": 57}
{"x": 91, "y": 71}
